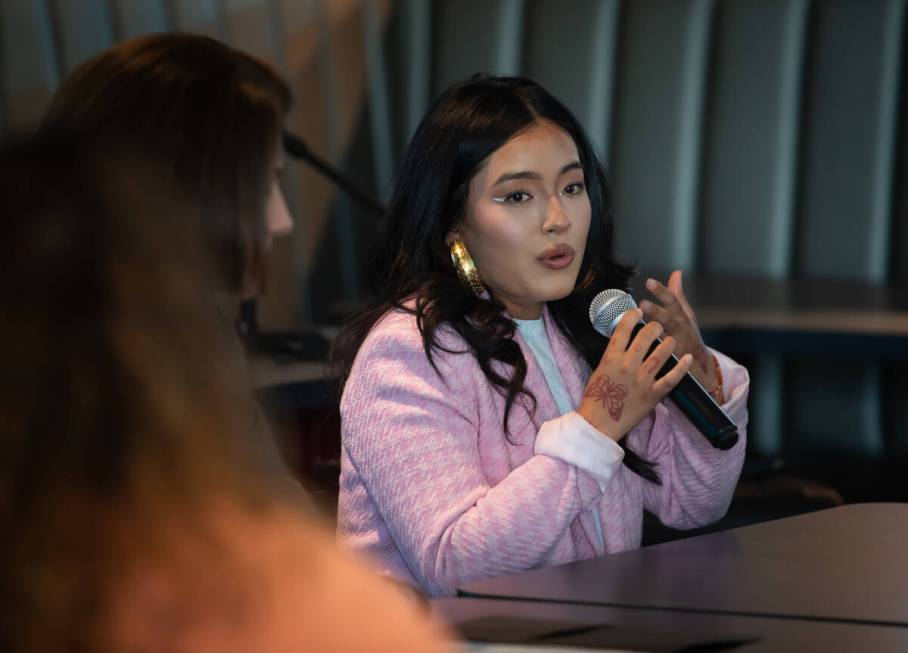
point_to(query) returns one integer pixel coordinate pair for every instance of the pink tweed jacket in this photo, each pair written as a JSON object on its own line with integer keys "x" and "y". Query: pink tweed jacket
{"x": 433, "y": 492}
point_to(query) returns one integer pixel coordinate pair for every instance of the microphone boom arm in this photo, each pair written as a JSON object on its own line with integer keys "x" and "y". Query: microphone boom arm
{"x": 297, "y": 148}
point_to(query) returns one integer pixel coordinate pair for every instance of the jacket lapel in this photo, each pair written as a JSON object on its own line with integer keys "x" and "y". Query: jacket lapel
{"x": 574, "y": 370}
{"x": 575, "y": 373}
{"x": 546, "y": 408}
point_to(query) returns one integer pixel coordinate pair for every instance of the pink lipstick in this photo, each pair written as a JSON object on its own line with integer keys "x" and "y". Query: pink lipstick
{"x": 557, "y": 257}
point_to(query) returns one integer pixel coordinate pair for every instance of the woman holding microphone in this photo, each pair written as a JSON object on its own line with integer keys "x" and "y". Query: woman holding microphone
{"x": 486, "y": 427}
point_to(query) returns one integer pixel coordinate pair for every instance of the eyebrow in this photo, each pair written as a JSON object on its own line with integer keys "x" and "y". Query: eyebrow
{"x": 529, "y": 174}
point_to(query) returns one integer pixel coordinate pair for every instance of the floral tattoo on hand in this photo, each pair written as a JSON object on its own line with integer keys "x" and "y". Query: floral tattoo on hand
{"x": 611, "y": 395}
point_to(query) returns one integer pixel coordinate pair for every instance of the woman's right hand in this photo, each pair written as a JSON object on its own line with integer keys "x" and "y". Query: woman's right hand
{"x": 623, "y": 389}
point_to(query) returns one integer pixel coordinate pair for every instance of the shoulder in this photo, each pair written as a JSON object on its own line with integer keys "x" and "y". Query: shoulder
{"x": 393, "y": 377}
{"x": 397, "y": 332}
{"x": 394, "y": 329}
{"x": 396, "y": 341}
{"x": 294, "y": 567}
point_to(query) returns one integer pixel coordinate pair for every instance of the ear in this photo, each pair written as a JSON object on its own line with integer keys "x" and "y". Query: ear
{"x": 452, "y": 236}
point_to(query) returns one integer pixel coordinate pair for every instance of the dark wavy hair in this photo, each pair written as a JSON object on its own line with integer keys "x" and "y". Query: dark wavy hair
{"x": 411, "y": 269}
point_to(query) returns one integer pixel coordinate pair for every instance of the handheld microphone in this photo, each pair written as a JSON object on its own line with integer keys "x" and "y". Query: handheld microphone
{"x": 606, "y": 311}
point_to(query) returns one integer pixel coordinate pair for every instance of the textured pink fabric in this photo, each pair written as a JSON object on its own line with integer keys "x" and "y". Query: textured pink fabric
{"x": 436, "y": 496}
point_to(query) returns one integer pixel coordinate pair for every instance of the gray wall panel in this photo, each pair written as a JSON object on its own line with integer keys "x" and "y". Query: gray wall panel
{"x": 135, "y": 17}
{"x": 29, "y": 59}
{"x": 656, "y": 155}
{"x": 198, "y": 16}
{"x": 378, "y": 100}
{"x": 899, "y": 245}
{"x": 250, "y": 26}
{"x": 752, "y": 138}
{"x": 476, "y": 36}
{"x": 750, "y": 166}
{"x": 572, "y": 53}
{"x": 849, "y": 131}
{"x": 82, "y": 29}
{"x": 895, "y": 398}
{"x": 410, "y": 73}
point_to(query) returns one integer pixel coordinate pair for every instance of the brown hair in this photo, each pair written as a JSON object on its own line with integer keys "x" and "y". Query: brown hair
{"x": 210, "y": 114}
{"x": 115, "y": 405}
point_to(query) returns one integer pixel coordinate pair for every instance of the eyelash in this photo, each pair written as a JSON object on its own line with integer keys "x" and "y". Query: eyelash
{"x": 579, "y": 185}
{"x": 511, "y": 198}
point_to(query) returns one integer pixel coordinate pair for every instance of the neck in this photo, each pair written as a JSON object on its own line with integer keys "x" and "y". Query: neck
{"x": 525, "y": 312}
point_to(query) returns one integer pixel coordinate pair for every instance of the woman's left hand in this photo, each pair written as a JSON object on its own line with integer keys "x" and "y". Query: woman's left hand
{"x": 677, "y": 317}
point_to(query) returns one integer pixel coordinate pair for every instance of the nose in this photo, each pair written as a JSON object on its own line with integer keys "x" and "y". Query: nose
{"x": 556, "y": 220}
{"x": 278, "y": 221}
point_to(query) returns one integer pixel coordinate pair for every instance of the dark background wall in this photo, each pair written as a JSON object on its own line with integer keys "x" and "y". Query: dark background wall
{"x": 744, "y": 138}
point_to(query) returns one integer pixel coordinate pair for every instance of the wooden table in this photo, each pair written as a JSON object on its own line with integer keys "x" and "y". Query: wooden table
{"x": 560, "y": 624}
{"x": 847, "y": 564}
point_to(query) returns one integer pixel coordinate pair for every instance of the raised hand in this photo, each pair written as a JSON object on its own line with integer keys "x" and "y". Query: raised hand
{"x": 623, "y": 389}
{"x": 678, "y": 319}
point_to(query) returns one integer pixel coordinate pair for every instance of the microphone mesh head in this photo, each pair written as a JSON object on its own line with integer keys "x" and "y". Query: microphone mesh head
{"x": 607, "y": 308}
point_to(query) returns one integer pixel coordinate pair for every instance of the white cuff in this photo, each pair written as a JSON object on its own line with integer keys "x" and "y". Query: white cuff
{"x": 575, "y": 441}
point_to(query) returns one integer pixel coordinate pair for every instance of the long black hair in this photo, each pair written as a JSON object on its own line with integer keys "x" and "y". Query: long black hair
{"x": 411, "y": 268}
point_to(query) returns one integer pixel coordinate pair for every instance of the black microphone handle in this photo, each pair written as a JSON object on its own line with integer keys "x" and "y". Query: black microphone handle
{"x": 695, "y": 403}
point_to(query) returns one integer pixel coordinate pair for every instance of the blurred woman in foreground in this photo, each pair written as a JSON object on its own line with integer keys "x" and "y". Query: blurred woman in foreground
{"x": 211, "y": 120}
{"x": 211, "y": 117}
{"x": 138, "y": 512}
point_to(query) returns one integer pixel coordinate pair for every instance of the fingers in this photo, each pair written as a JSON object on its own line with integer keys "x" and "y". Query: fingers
{"x": 657, "y": 359}
{"x": 624, "y": 389}
{"x": 672, "y": 297}
{"x": 655, "y": 313}
{"x": 621, "y": 336}
{"x": 663, "y": 294}
{"x": 644, "y": 340}
{"x": 670, "y": 380}
{"x": 676, "y": 286}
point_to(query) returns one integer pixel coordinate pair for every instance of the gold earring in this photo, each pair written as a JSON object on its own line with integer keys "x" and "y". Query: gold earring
{"x": 466, "y": 268}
